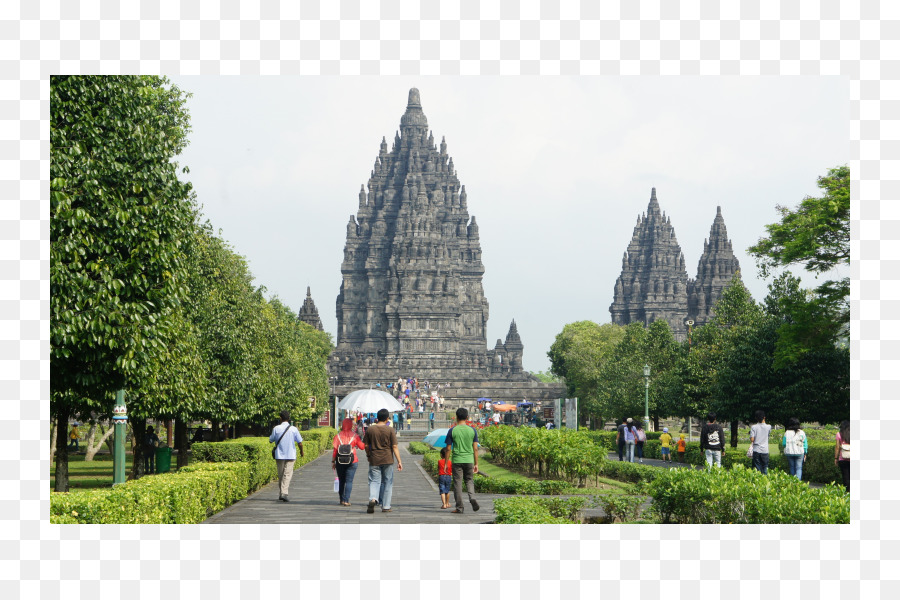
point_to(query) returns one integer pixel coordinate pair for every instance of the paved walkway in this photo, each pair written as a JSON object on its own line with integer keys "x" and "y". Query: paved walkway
{"x": 313, "y": 500}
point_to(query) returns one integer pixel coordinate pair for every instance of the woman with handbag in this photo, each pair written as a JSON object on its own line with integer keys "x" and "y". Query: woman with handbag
{"x": 344, "y": 460}
{"x": 842, "y": 452}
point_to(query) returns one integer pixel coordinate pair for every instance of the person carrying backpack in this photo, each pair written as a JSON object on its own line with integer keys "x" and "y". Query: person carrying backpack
{"x": 344, "y": 460}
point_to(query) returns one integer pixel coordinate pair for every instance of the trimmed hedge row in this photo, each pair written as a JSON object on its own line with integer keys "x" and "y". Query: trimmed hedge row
{"x": 188, "y": 496}
{"x": 221, "y": 474}
{"x": 486, "y": 485}
{"x": 819, "y": 466}
{"x": 741, "y": 495}
{"x": 419, "y": 448}
{"x": 523, "y": 511}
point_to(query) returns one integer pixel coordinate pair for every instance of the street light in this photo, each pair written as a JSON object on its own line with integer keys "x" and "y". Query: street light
{"x": 647, "y": 396}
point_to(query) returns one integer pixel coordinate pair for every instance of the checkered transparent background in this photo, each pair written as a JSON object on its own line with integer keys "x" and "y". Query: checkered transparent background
{"x": 857, "y": 40}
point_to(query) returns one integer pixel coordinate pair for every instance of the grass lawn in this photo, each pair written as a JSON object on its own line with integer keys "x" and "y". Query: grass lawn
{"x": 95, "y": 474}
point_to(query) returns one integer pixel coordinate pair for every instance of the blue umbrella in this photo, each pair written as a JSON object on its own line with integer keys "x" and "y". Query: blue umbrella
{"x": 436, "y": 438}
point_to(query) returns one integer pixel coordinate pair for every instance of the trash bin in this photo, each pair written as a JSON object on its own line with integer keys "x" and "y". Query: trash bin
{"x": 163, "y": 460}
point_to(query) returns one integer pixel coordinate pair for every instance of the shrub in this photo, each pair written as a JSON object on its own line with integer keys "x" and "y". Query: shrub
{"x": 633, "y": 472}
{"x": 188, "y": 496}
{"x": 620, "y": 507}
{"x": 742, "y": 495}
{"x": 418, "y": 448}
{"x": 522, "y": 511}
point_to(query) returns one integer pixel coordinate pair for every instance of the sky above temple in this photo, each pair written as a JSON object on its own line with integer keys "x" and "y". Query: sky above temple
{"x": 557, "y": 170}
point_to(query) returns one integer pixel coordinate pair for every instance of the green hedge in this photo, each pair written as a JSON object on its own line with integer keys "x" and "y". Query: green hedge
{"x": 819, "y": 466}
{"x": 188, "y": 496}
{"x": 522, "y": 511}
{"x": 741, "y": 495}
{"x": 486, "y": 485}
{"x": 419, "y": 448}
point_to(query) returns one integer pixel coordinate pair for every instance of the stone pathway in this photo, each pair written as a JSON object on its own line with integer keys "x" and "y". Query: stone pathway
{"x": 313, "y": 500}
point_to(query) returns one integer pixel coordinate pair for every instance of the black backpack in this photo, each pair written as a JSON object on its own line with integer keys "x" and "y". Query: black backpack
{"x": 345, "y": 453}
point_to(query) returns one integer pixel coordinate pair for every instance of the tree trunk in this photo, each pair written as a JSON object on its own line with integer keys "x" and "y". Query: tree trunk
{"x": 181, "y": 443}
{"x": 53, "y": 430}
{"x": 655, "y": 423}
{"x": 734, "y": 434}
{"x": 62, "y": 450}
{"x": 170, "y": 438}
{"x": 215, "y": 430}
{"x": 138, "y": 428}
{"x": 91, "y": 449}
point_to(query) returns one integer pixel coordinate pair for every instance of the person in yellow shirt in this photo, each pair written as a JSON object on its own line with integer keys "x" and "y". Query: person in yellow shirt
{"x": 682, "y": 447}
{"x": 665, "y": 441}
{"x": 73, "y": 437}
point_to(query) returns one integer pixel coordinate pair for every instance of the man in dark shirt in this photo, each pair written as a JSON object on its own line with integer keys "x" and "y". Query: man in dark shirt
{"x": 712, "y": 440}
{"x": 381, "y": 448}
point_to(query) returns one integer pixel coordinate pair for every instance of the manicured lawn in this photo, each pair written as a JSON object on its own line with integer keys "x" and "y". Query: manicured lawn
{"x": 95, "y": 474}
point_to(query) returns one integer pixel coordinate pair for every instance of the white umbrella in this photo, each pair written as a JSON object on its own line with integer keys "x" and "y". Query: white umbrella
{"x": 369, "y": 401}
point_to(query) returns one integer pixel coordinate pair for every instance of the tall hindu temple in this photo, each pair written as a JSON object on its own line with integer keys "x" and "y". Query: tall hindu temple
{"x": 411, "y": 302}
{"x": 654, "y": 283}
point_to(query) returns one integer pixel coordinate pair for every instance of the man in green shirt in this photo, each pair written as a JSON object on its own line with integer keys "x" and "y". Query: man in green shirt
{"x": 462, "y": 440}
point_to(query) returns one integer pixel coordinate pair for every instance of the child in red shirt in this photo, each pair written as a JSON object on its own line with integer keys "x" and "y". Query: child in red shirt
{"x": 444, "y": 471}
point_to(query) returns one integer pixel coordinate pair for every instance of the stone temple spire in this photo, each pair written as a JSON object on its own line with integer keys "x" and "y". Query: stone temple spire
{"x": 653, "y": 283}
{"x": 309, "y": 314}
{"x": 716, "y": 267}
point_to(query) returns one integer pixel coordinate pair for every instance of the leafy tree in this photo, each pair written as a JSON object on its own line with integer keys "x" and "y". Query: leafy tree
{"x": 119, "y": 218}
{"x": 579, "y": 354}
{"x": 816, "y": 234}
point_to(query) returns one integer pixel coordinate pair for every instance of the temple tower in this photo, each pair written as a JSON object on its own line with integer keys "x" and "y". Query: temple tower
{"x": 309, "y": 314}
{"x": 654, "y": 283}
{"x": 716, "y": 267}
{"x": 411, "y": 301}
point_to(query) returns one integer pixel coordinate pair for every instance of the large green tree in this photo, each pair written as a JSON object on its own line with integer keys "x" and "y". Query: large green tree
{"x": 816, "y": 235}
{"x": 119, "y": 219}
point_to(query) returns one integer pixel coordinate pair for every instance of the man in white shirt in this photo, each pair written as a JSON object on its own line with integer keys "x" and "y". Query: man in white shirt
{"x": 759, "y": 442}
{"x": 285, "y": 435}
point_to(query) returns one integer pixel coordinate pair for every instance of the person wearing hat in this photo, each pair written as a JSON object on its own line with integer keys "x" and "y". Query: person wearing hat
{"x": 665, "y": 441}
{"x": 682, "y": 448}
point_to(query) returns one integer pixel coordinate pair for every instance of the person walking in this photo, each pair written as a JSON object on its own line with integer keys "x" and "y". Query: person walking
{"x": 74, "y": 435}
{"x": 842, "y": 452}
{"x": 665, "y": 443}
{"x": 639, "y": 438}
{"x": 795, "y": 447}
{"x": 759, "y": 443}
{"x": 431, "y": 418}
{"x": 462, "y": 440}
{"x": 285, "y": 435}
{"x": 400, "y": 421}
{"x": 712, "y": 440}
{"x": 151, "y": 441}
{"x": 444, "y": 477}
{"x": 682, "y": 448}
{"x": 396, "y": 420}
{"x": 344, "y": 460}
{"x": 381, "y": 449}
{"x": 628, "y": 434}
{"x": 620, "y": 438}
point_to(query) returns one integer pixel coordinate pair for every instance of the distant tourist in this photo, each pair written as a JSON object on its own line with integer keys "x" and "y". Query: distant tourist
{"x": 400, "y": 420}
{"x": 444, "y": 471}
{"x": 462, "y": 440}
{"x": 344, "y": 460}
{"x": 381, "y": 449}
{"x": 795, "y": 447}
{"x": 620, "y": 437}
{"x": 284, "y": 436}
{"x": 627, "y": 434}
{"x": 842, "y": 452}
{"x": 639, "y": 438}
{"x": 151, "y": 441}
{"x": 396, "y": 420}
{"x": 682, "y": 448}
{"x": 712, "y": 440}
{"x": 759, "y": 442}
{"x": 665, "y": 442}
{"x": 431, "y": 420}
{"x": 73, "y": 438}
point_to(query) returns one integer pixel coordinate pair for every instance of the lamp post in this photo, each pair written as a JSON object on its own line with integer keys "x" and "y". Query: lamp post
{"x": 647, "y": 396}
{"x": 120, "y": 424}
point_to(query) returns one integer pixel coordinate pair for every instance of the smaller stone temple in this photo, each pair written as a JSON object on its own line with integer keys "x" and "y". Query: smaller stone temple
{"x": 654, "y": 283}
{"x": 309, "y": 314}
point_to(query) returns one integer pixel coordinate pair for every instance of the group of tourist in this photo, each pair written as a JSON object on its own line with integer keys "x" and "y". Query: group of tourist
{"x": 379, "y": 442}
{"x": 630, "y": 438}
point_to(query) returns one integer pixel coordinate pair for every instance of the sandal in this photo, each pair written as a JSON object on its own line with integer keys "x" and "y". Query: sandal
{"x": 457, "y": 511}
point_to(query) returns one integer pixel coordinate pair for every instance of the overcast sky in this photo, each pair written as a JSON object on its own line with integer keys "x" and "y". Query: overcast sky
{"x": 557, "y": 170}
